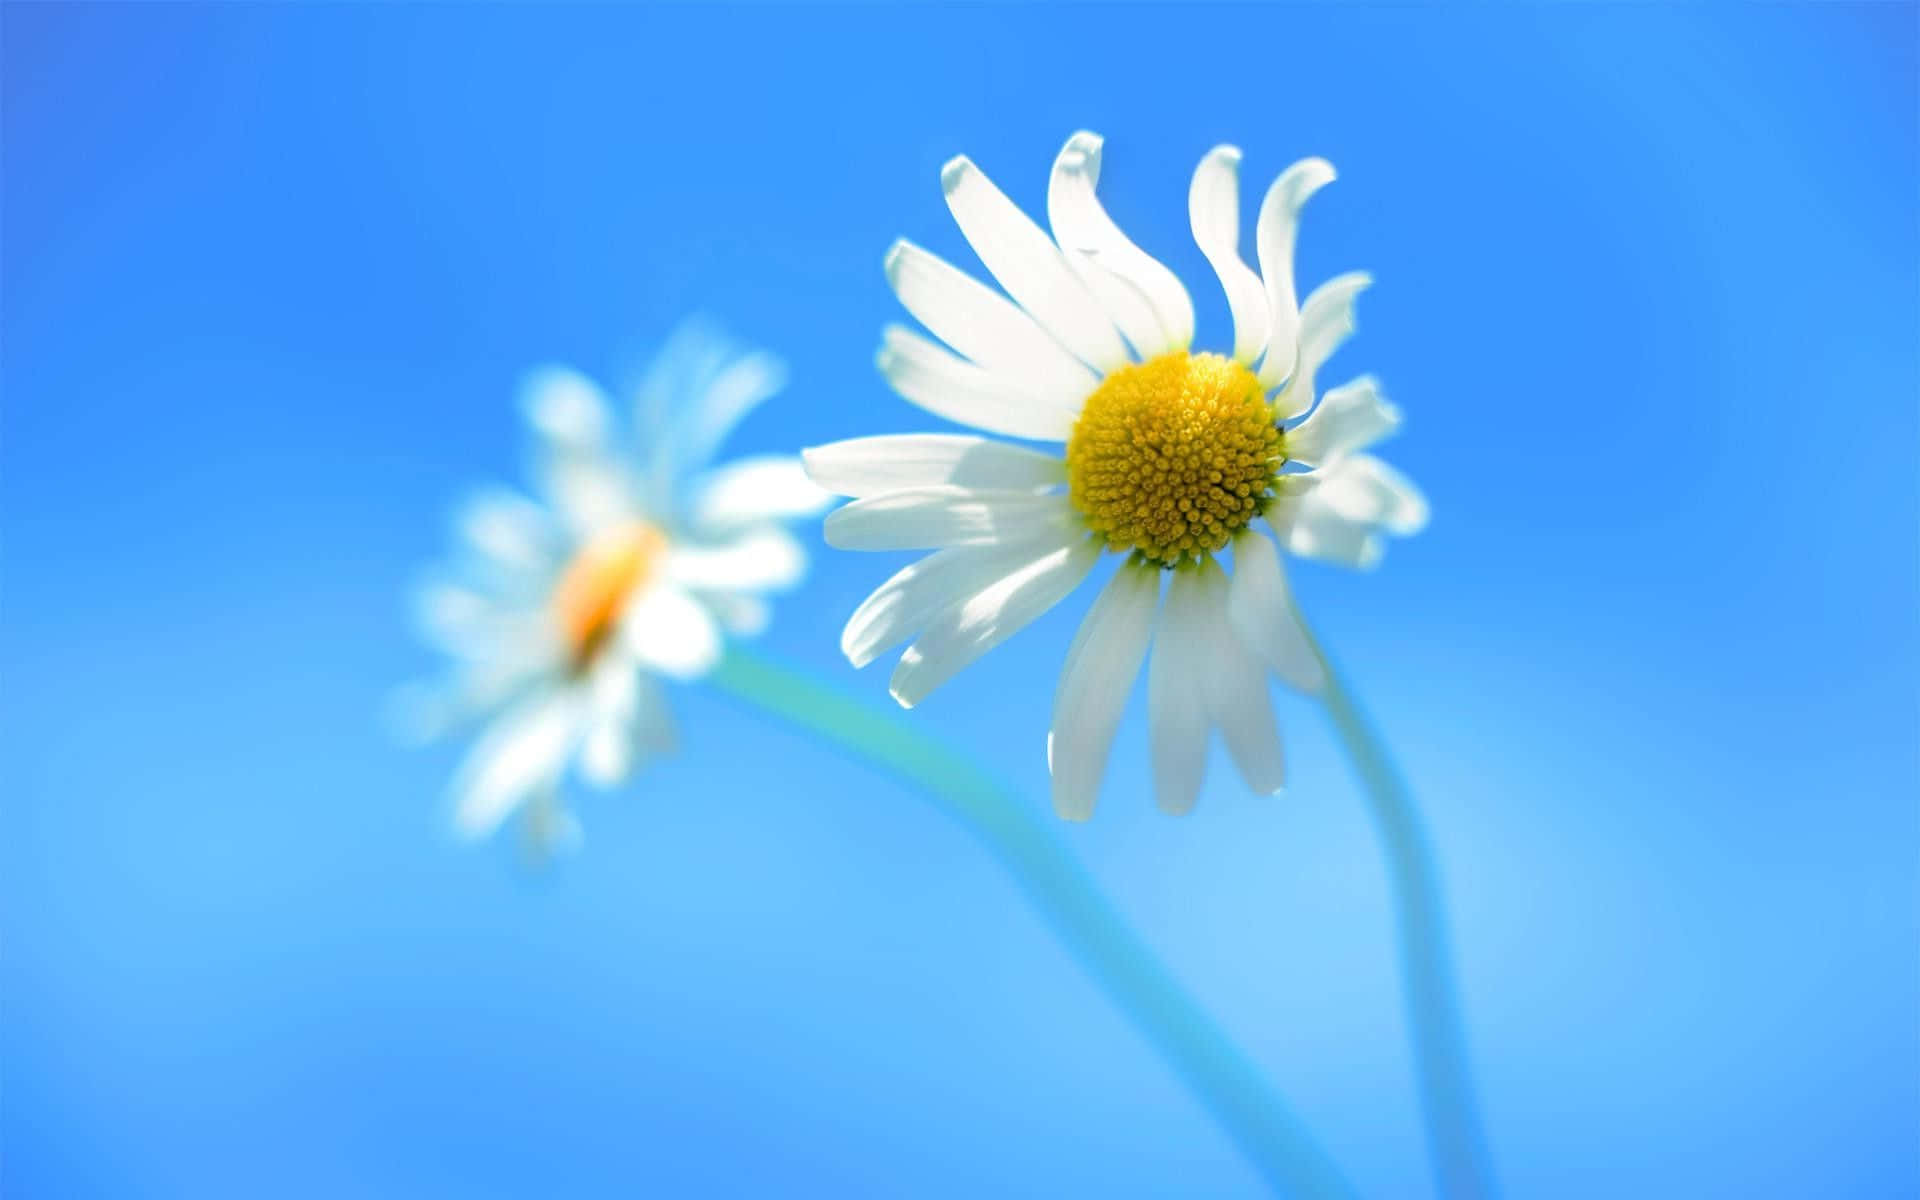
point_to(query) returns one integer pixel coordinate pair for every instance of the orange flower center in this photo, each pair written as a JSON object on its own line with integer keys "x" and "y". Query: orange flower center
{"x": 597, "y": 585}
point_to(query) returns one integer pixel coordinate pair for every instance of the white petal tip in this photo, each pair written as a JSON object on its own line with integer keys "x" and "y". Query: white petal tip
{"x": 687, "y": 672}
{"x": 891, "y": 263}
{"x": 1086, "y": 142}
{"x": 810, "y": 462}
{"x": 1317, "y": 171}
{"x": 956, "y": 169}
{"x": 902, "y": 700}
{"x": 1226, "y": 154}
{"x": 1298, "y": 183}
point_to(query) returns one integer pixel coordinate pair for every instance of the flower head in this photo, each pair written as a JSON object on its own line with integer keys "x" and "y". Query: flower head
{"x": 563, "y": 614}
{"x": 1173, "y": 459}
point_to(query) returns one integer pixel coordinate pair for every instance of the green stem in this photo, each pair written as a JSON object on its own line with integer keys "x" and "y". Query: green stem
{"x": 1198, "y": 1050}
{"x": 1455, "y": 1139}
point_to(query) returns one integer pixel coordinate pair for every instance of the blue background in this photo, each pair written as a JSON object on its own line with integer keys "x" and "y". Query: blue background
{"x": 1647, "y": 291}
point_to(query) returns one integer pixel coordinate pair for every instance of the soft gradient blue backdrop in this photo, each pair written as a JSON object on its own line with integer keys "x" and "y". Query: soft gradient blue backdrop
{"x": 1647, "y": 290}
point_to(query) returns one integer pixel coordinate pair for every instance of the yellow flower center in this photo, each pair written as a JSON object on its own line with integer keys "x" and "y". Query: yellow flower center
{"x": 595, "y": 587}
{"x": 1171, "y": 457}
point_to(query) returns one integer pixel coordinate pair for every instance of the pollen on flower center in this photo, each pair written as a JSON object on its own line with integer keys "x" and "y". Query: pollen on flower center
{"x": 1172, "y": 456}
{"x": 594, "y": 588}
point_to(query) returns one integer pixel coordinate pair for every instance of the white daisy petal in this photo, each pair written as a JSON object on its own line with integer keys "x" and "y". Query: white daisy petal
{"x": 871, "y": 465}
{"x": 986, "y": 327}
{"x": 565, "y": 407}
{"x": 1101, "y": 666}
{"x": 741, "y": 614}
{"x": 421, "y": 712}
{"x": 946, "y": 386}
{"x": 680, "y": 375}
{"x": 612, "y": 686}
{"x": 632, "y": 723}
{"x": 1315, "y": 531}
{"x": 1363, "y": 489}
{"x": 1027, "y": 263}
{"x": 1260, "y": 609}
{"x": 589, "y": 490}
{"x": 456, "y": 618}
{"x": 921, "y": 591}
{"x": 686, "y": 362}
{"x": 1326, "y": 320}
{"x": 1139, "y": 294}
{"x": 765, "y": 559}
{"x": 1235, "y": 687}
{"x": 929, "y": 518}
{"x": 738, "y": 388}
{"x": 508, "y": 531}
{"x": 1176, "y": 700}
{"x": 1358, "y": 498}
{"x": 1350, "y": 417}
{"x": 587, "y": 486}
{"x": 480, "y": 625}
{"x": 606, "y": 756}
{"x": 750, "y": 491}
{"x": 1273, "y": 242}
{"x": 977, "y": 624}
{"x": 1213, "y": 203}
{"x": 671, "y": 632}
{"x": 527, "y": 748}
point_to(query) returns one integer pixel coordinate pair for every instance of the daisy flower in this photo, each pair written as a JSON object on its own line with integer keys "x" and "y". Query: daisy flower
{"x": 1172, "y": 459}
{"x": 563, "y": 614}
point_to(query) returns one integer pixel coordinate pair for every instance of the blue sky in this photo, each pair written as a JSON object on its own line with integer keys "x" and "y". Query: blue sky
{"x": 1647, "y": 291}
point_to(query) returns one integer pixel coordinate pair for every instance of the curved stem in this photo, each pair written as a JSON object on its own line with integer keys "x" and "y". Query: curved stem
{"x": 1198, "y": 1050}
{"x": 1455, "y": 1139}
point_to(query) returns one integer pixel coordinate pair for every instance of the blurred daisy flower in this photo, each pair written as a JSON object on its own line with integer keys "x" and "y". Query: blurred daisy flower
{"x": 1172, "y": 458}
{"x": 563, "y": 613}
